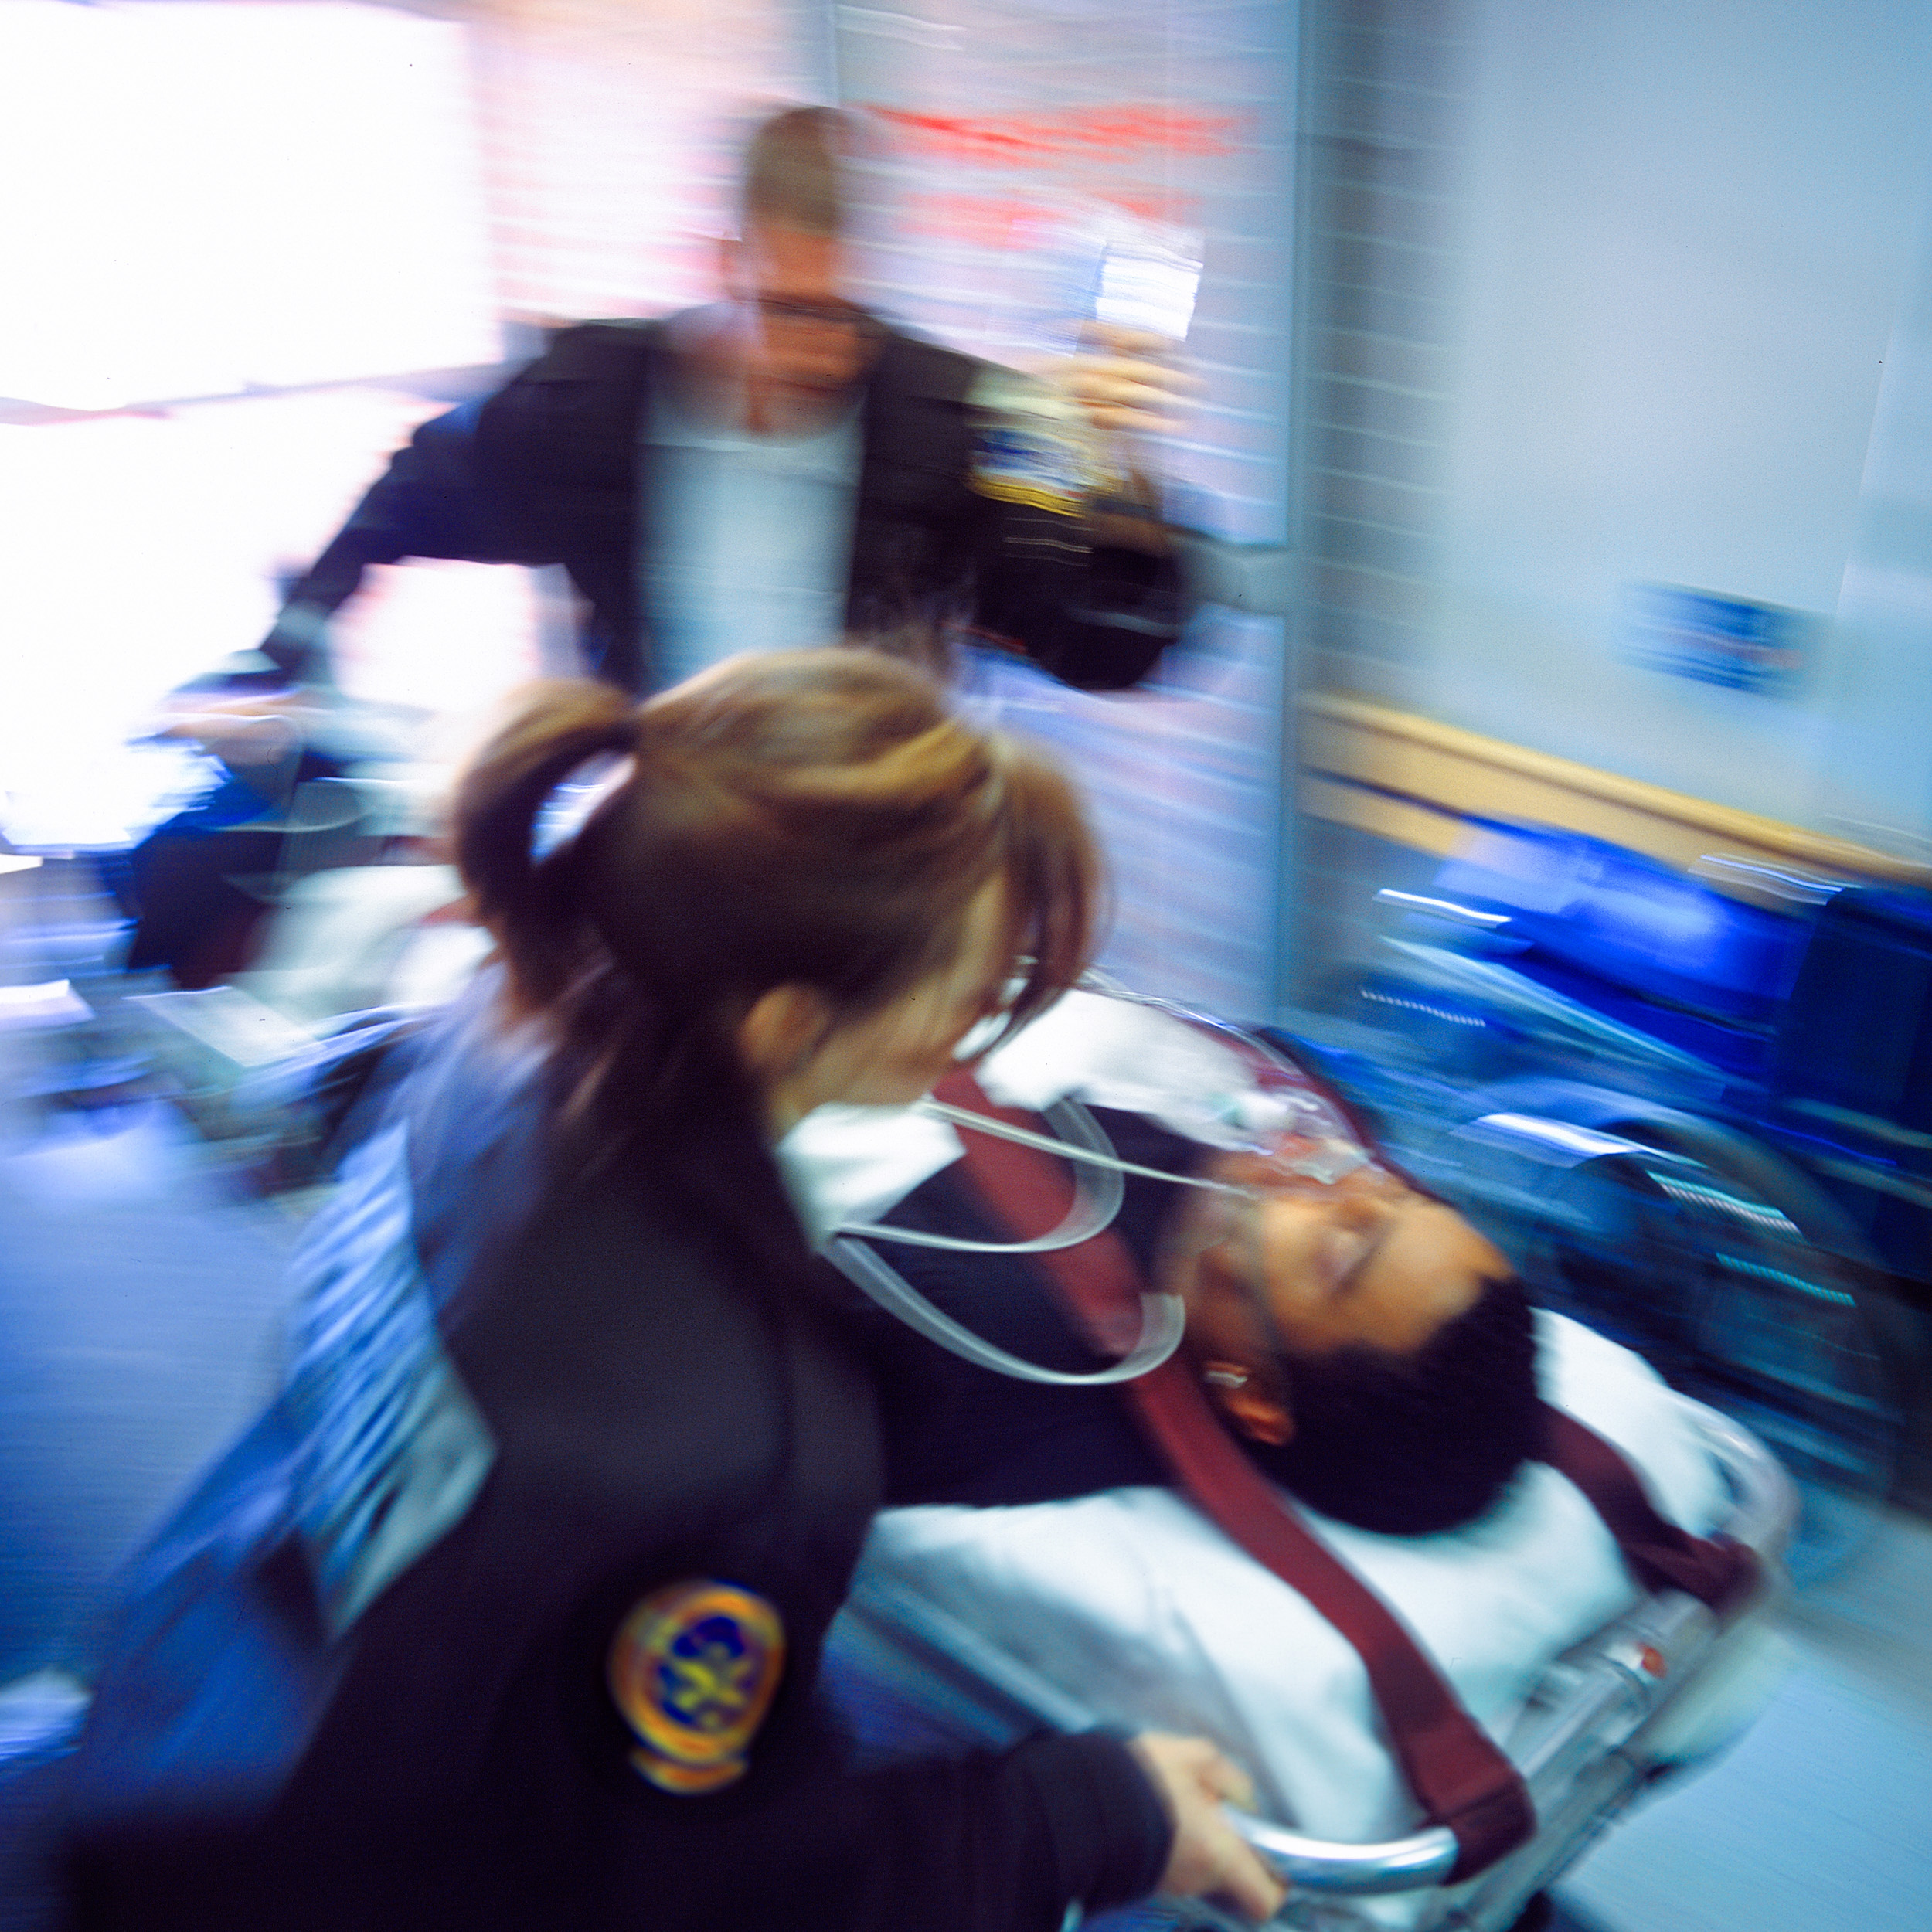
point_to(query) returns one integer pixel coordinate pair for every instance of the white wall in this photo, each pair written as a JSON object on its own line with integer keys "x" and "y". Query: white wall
{"x": 1691, "y": 226}
{"x": 1875, "y": 777}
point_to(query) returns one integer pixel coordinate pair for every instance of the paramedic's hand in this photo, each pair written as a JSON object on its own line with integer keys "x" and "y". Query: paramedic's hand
{"x": 1124, "y": 379}
{"x": 1209, "y": 1859}
{"x": 1125, "y": 382}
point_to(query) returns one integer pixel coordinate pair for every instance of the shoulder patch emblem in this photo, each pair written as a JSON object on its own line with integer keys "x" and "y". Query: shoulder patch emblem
{"x": 693, "y": 1669}
{"x": 1027, "y": 462}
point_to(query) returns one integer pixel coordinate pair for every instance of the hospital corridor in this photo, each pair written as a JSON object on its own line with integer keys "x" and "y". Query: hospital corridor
{"x": 966, "y": 965}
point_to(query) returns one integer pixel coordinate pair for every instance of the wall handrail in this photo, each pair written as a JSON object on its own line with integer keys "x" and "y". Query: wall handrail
{"x": 1410, "y": 777}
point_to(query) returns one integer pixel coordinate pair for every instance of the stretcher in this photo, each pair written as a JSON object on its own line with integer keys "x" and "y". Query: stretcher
{"x": 961, "y": 1637}
{"x": 1663, "y": 1685}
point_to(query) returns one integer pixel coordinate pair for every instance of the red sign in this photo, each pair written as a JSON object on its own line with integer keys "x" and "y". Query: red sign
{"x": 1068, "y": 134}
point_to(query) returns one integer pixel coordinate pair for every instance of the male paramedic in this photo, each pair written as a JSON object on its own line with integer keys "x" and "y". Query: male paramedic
{"x": 782, "y": 468}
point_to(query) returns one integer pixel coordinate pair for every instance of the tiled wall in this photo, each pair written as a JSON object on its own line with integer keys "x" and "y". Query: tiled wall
{"x": 1383, "y": 102}
{"x": 995, "y": 114}
{"x": 608, "y": 129}
{"x": 1375, "y": 321}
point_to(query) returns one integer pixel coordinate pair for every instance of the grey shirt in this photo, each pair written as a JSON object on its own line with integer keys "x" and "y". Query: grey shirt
{"x": 746, "y": 541}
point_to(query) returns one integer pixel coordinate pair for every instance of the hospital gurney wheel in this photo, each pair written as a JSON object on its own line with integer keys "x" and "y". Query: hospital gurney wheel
{"x": 1705, "y": 1257}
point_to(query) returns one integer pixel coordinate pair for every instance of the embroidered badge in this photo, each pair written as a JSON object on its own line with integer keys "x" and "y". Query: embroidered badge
{"x": 1029, "y": 462}
{"x": 693, "y": 1669}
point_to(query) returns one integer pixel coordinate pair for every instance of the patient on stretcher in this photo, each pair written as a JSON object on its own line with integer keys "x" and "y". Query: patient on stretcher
{"x": 1371, "y": 1353}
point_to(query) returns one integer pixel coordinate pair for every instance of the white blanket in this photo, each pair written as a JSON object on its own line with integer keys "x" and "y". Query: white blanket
{"x": 1137, "y": 1605}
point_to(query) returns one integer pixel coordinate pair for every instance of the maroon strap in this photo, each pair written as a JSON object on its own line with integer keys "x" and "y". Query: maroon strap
{"x": 1718, "y": 1571}
{"x": 1457, "y": 1773}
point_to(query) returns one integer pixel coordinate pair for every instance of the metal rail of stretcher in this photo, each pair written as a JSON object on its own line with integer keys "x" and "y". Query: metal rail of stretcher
{"x": 1579, "y": 1744}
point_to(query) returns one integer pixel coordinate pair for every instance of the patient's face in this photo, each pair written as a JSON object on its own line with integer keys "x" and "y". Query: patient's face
{"x": 1367, "y": 1261}
{"x": 1372, "y": 1352}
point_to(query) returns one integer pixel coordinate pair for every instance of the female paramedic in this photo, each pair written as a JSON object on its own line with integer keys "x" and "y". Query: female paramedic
{"x": 508, "y": 1615}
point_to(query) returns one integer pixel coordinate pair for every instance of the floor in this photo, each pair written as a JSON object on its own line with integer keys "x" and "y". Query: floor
{"x": 1820, "y": 1819}
{"x": 141, "y": 1308}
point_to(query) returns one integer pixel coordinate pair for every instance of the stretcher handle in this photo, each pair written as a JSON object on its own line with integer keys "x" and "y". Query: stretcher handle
{"x": 1015, "y": 1699}
{"x": 1411, "y": 1864}
{"x": 1763, "y": 1500}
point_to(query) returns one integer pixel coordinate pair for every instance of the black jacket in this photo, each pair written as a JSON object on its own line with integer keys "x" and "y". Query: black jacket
{"x": 658, "y": 1411}
{"x": 550, "y": 470}
{"x": 956, "y": 1433}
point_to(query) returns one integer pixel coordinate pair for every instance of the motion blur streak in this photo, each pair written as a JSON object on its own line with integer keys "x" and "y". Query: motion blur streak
{"x": 1546, "y": 757}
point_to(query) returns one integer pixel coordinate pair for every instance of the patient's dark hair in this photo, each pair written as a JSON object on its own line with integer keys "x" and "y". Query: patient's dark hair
{"x": 1410, "y": 1445}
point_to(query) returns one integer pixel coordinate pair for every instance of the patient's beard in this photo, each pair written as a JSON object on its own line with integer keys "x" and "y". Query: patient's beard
{"x": 1411, "y": 1445}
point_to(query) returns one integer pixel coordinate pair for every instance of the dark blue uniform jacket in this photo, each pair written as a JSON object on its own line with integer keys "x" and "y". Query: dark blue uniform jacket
{"x": 551, "y": 470}
{"x": 362, "y": 1679}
